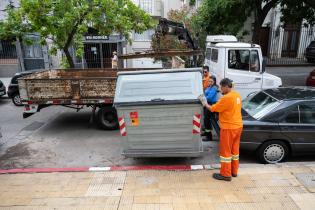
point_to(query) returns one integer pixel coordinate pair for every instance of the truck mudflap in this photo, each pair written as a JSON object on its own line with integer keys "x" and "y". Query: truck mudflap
{"x": 29, "y": 109}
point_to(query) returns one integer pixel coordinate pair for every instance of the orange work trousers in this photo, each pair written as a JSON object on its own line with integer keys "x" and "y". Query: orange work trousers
{"x": 229, "y": 151}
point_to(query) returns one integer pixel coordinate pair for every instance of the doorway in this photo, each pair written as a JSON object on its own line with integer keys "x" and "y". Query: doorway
{"x": 98, "y": 55}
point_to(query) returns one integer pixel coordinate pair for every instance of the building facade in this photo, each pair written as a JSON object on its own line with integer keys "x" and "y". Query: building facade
{"x": 98, "y": 50}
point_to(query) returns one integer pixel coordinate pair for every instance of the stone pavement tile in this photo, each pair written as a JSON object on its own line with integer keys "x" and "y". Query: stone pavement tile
{"x": 148, "y": 192}
{"x": 186, "y": 206}
{"x": 206, "y": 206}
{"x": 126, "y": 200}
{"x": 146, "y": 199}
{"x": 166, "y": 199}
{"x": 259, "y": 171}
{"x": 55, "y": 202}
{"x": 275, "y": 190}
{"x": 304, "y": 200}
{"x": 25, "y": 208}
{"x": 145, "y": 206}
{"x": 106, "y": 184}
{"x": 20, "y": 201}
{"x": 299, "y": 169}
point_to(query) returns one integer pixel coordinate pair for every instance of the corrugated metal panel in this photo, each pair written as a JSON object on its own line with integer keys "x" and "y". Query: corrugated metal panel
{"x": 162, "y": 131}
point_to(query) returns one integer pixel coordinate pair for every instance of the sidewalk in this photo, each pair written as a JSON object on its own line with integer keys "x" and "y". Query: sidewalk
{"x": 257, "y": 187}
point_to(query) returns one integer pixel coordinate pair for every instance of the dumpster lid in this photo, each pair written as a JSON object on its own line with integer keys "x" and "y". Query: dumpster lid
{"x": 164, "y": 85}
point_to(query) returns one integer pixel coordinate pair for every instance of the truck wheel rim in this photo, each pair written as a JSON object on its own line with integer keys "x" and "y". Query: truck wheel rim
{"x": 274, "y": 153}
{"x": 17, "y": 99}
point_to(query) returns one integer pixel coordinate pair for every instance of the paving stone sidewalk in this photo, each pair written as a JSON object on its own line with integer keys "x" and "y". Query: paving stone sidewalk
{"x": 257, "y": 187}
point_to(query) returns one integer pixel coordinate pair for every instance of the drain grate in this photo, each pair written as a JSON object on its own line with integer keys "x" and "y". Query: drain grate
{"x": 33, "y": 126}
{"x": 308, "y": 180}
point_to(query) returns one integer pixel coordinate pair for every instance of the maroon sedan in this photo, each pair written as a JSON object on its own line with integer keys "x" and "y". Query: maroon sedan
{"x": 310, "y": 81}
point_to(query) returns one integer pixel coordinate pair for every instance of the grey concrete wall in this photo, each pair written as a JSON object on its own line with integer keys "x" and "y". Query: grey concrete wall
{"x": 8, "y": 70}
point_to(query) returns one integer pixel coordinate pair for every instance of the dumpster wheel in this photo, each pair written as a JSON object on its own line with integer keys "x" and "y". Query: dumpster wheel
{"x": 107, "y": 118}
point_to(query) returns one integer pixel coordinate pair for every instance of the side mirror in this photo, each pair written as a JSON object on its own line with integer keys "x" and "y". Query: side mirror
{"x": 263, "y": 66}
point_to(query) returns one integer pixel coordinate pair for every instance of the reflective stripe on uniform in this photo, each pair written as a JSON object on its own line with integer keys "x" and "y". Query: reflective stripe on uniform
{"x": 225, "y": 159}
{"x": 235, "y": 157}
{"x": 207, "y": 131}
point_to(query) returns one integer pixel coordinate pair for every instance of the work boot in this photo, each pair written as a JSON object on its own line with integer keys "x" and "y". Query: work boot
{"x": 220, "y": 177}
{"x": 208, "y": 137}
{"x": 234, "y": 175}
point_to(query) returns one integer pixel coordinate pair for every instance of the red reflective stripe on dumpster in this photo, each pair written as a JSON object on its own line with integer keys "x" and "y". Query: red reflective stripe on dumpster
{"x": 122, "y": 126}
{"x": 196, "y": 124}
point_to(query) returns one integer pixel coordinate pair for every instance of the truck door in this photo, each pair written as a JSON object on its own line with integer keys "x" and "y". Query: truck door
{"x": 243, "y": 67}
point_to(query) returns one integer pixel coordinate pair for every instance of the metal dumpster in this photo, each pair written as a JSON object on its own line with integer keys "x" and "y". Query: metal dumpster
{"x": 159, "y": 112}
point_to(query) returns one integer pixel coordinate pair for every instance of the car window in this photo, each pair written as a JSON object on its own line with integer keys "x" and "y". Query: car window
{"x": 254, "y": 61}
{"x": 259, "y": 104}
{"x": 292, "y": 116}
{"x": 307, "y": 113}
{"x": 239, "y": 59}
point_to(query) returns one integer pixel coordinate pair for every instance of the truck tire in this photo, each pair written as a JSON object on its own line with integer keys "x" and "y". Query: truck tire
{"x": 16, "y": 99}
{"x": 107, "y": 118}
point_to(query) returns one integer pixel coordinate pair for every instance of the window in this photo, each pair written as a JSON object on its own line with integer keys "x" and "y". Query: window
{"x": 293, "y": 116}
{"x": 214, "y": 55}
{"x": 208, "y": 53}
{"x": 146, "y": 5}
{"x": 239, "y": 59}
{"x": 307, "y": 113}
{"x": 145, "y": 36}
{"x": 259, "y": 104}
{"x": 254, "y": 61}
{"x": 304, "y": 113}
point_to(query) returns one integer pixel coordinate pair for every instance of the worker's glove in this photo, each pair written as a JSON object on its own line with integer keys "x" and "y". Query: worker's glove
{"x": 203, "y": 100}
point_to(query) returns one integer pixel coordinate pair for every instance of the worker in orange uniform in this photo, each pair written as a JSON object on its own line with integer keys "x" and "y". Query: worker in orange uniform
{"x": 206, "y": 77}
{"x": 231, "y": 126}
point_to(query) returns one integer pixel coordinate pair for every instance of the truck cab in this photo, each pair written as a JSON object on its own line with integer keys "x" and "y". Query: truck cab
{"x": 241, "y": 62}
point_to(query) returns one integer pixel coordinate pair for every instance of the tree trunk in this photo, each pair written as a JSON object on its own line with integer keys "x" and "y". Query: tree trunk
{"x": 260, "y": 15}
{"x": 256, "y": 32}
{"x": 69, "y": 58}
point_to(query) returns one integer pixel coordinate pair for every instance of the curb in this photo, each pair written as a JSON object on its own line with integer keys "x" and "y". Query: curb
{"x": 110, "y": 168}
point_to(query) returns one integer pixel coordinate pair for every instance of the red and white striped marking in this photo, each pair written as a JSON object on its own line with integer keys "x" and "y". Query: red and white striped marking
{"x": 109, "y": 168}
{"x": 122, "y": 126}
{"x": 196, "y": 124}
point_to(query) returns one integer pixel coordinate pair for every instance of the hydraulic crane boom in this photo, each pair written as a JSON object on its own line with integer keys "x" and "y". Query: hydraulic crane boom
{"x": 168, "y": 27}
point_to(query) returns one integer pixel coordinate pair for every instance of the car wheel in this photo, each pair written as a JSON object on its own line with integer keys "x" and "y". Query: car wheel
{"x": 17, "y": 100}
{"x": 107, "y": 118}
{"x": 273, "y": 152}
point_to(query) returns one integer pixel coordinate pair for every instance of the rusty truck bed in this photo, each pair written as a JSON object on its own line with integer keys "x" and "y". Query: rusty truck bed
{"x": 76, "y": 86}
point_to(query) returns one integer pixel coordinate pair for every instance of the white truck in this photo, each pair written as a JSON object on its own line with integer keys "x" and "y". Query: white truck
{"x": 241, "y": 62}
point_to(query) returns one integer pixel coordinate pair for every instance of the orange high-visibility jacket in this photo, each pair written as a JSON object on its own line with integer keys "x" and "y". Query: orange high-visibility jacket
{"x": 229, "y": 107}
{"x": 205, "y": 82}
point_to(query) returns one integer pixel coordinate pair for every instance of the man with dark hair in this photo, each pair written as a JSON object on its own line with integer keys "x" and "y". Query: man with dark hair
{"x": 229, "y": 108}
{"x": 206, "y": 77}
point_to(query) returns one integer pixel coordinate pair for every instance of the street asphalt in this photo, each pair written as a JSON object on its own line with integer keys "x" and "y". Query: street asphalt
{"x": 61, "y": 137}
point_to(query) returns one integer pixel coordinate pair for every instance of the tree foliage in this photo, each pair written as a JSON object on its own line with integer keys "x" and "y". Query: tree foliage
{"x": 66, "y": 21}
{"x": 228, "y": 16}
